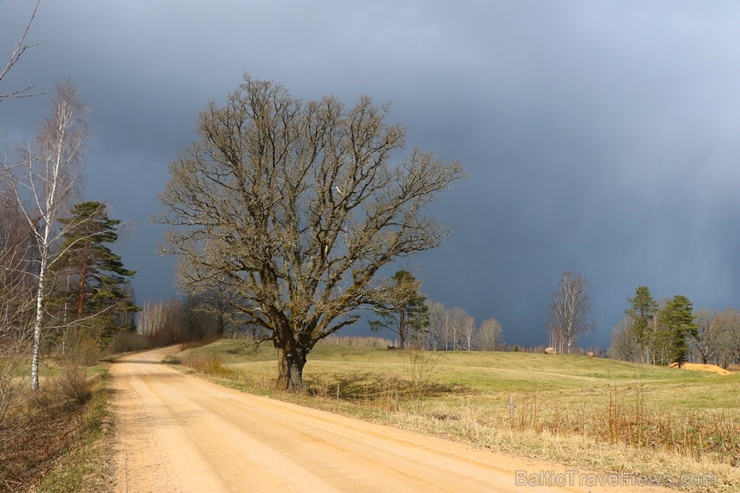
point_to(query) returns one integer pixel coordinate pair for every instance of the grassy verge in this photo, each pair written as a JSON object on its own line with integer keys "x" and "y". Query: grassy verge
{"x": 52, "y": 439}
{"x": 86, "y": 465}
{"x": 584, "y": 412}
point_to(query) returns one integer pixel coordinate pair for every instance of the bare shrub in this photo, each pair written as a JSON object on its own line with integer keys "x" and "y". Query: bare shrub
{"x": 124, "y": 342}
{"x": 196, "y": 361}
{"x": 13, "y": 384}
{"x": 76, "y": 384}
{"x": 209, "y": 363}
{"x": 191, "y": 345}
{"x": 215, "y": 366}
{"x": 422, "y": 366}
{"x": 80, "y": 348}
{"x": 357, "y": 341}
{"x": 172, "y": 359}
{"x": 320, "y": 388}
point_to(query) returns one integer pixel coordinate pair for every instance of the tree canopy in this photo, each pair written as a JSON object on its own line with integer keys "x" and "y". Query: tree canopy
{"x": 91, "y": 278}
{"x": 569, "y": 316}
{"x": 642, "y": 310}
{"x": 405, "y": 311}
{"x": 678, "y": 317}
{"x": 296, "y": 206}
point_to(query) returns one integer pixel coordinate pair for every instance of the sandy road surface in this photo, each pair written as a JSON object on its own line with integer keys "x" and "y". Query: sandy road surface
{"x": 178, "y": 433}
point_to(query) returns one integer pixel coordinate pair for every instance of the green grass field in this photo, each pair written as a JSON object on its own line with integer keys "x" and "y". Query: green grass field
{"x": 587, "y": 412}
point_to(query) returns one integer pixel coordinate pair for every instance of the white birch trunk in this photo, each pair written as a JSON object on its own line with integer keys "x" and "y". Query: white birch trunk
{"x": 51, "y": 181}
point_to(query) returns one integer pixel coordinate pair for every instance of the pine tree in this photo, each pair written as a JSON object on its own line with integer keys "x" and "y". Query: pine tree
{"x": 642, "y": 311}
{"x": 405, "y": 311}
{"x": 679, "y": 320}
{"x": 91, "y": 279}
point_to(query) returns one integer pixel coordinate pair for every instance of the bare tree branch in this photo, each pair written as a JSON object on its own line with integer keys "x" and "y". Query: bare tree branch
{"x": 18, "y": 51}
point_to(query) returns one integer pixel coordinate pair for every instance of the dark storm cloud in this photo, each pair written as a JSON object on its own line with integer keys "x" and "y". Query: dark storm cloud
{"x": 600, "y": 137}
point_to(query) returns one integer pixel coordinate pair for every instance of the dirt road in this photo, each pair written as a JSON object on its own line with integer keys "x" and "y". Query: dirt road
{"x": 179, "y": 433}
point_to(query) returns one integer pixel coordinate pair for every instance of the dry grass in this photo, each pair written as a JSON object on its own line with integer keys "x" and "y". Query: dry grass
{"x": 35, "y": 433}
{"x": 585, "y": 412}
{"x": 38, "y": 427}
{"x": 209, "y": 362}
{"x": 86, "y": 466}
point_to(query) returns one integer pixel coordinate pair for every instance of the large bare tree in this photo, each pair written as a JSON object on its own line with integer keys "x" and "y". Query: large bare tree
{"x": 625, "y": 343}
{"x": 569, "y": 311}
{"x": 704, "y": 343}
{"x": 296, "y": 206}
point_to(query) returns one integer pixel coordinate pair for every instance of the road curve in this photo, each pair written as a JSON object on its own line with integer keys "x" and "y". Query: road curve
{"x": 179, "y": 433}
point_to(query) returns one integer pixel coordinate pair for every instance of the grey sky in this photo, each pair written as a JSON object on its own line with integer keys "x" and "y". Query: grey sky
{"x": 600, "y": 137}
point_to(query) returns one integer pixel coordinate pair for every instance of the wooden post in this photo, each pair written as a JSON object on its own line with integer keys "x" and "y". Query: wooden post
{"x": 511, "y": 409}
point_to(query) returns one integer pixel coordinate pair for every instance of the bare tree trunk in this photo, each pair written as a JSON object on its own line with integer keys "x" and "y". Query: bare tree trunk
{"x": 290, "y": 369}
{"x": 447, "y": 331}
{"x": 469, "y": 332}
{"x": 402, "y": 327}
{"x": 38, "y": 321}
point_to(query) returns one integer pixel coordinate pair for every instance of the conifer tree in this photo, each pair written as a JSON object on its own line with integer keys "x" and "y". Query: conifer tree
{"x": 642, "y": 311}
{"x": 679, "y": 320}
{"x": 91, "y": 279}
{"x": 405, "y": 310}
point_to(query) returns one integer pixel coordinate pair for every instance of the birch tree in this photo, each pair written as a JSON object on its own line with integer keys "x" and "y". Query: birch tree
{"x": 297, "y": 206}
{"x": 438, "y": 321}
{"x": 48, "y": 175}
{"x": 569, "y": 311}
{"x": 490, "y": 334}
{"x": 468, "y": 330}
{"x": 462, "y": 327}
